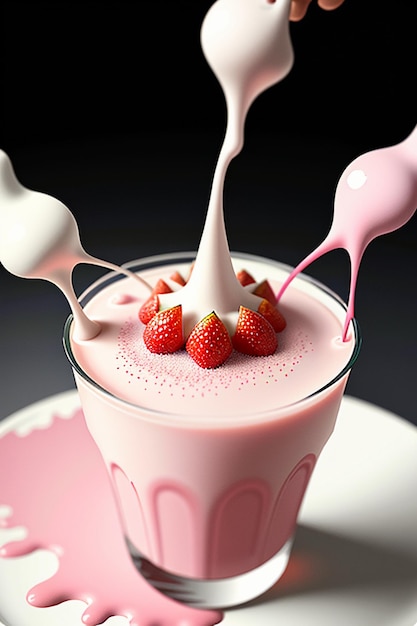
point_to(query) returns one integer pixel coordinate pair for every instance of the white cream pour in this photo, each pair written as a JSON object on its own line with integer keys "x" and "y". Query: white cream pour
{"x": 39, "y": 239}
{"x": 376, "y": 194}
{"x": 247, "y": 45}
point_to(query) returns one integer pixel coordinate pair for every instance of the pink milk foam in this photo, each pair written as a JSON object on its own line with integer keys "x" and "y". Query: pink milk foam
{"x": 56, "y": 484}
{"x": 310, "y": 354}
{"x": 210, "y": 467}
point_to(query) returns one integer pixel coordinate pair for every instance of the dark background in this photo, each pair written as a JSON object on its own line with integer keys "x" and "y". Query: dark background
{"x": 111, "y": 108}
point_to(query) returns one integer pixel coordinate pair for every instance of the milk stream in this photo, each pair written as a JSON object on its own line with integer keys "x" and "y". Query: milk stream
{"x": 39, "y": 239}
{"x": 376, "y": 194}
{"x": 248, "y": 47}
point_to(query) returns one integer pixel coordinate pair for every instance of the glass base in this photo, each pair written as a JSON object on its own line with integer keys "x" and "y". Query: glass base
{"x": 220, "y": 593}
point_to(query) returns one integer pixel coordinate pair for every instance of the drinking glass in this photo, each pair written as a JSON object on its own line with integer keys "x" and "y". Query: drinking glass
{"x": 209, "y": 504}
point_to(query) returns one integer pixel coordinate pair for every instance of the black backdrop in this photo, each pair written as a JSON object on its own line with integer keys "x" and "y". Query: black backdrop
{"x": 112, "y": 108}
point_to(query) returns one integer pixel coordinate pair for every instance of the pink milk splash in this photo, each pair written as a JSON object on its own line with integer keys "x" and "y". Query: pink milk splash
{"x": 375, "y": 195}
{"x": 57, "y": 486}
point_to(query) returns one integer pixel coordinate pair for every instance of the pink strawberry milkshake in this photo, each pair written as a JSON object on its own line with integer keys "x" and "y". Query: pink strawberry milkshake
{"x": 209, "y": 467}
{"x": 210, "y": 448}
{"x": 209, "y": 415}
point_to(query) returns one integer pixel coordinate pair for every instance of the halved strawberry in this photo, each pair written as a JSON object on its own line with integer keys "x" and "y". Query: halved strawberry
{"x": 264, "y": 290}
{"x": 273, "y": 315}
{"x": 254, "y": 334}
{"x": 164, "y": 333}
{"x": 151, "y": 306}
{"x": 209, "y": 343}
{"x": 245, "y": 278}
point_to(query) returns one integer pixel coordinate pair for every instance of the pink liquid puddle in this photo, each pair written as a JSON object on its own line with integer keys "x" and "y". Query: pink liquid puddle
{"x": 58, "y": 488}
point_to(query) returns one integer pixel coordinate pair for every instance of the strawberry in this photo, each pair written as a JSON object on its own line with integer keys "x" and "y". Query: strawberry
{"x": 245, "y": 278}
{"x": 264, "y": 290}
{"x": 254, "y": 334}
{"x": 151, "y": 306}
{"x": 163, "y": 334}
{"x": 209, "y": 342}
{"x": 273, "y": 315}
{"x": 148, "y": 309}
{"x": 178, "y": 278}
{"x": 161, "y": 287}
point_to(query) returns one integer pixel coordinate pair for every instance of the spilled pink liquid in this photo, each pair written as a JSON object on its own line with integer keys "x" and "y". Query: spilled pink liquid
{"x": 58, "y": 488}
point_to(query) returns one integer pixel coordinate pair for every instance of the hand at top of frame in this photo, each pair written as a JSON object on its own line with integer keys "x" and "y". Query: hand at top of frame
{"x": 299, "y": 7}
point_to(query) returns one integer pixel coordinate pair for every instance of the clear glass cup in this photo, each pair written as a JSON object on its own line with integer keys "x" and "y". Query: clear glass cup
{"x": 209, "y": 507}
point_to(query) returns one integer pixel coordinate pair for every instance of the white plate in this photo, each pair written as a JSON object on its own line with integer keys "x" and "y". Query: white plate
{"x": 355, "y": 557}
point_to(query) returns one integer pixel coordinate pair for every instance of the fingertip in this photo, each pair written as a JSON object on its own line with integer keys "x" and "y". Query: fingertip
{"x": 298, "y": 9}
{"x": 329, "y": 5}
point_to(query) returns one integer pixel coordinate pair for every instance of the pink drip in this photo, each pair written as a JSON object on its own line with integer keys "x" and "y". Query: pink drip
{"x": 57, "y": 486}
{"x": 376, "y": 194}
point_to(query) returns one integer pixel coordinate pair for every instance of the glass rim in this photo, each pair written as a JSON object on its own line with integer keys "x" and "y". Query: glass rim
{"x": 153, "y": 414}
